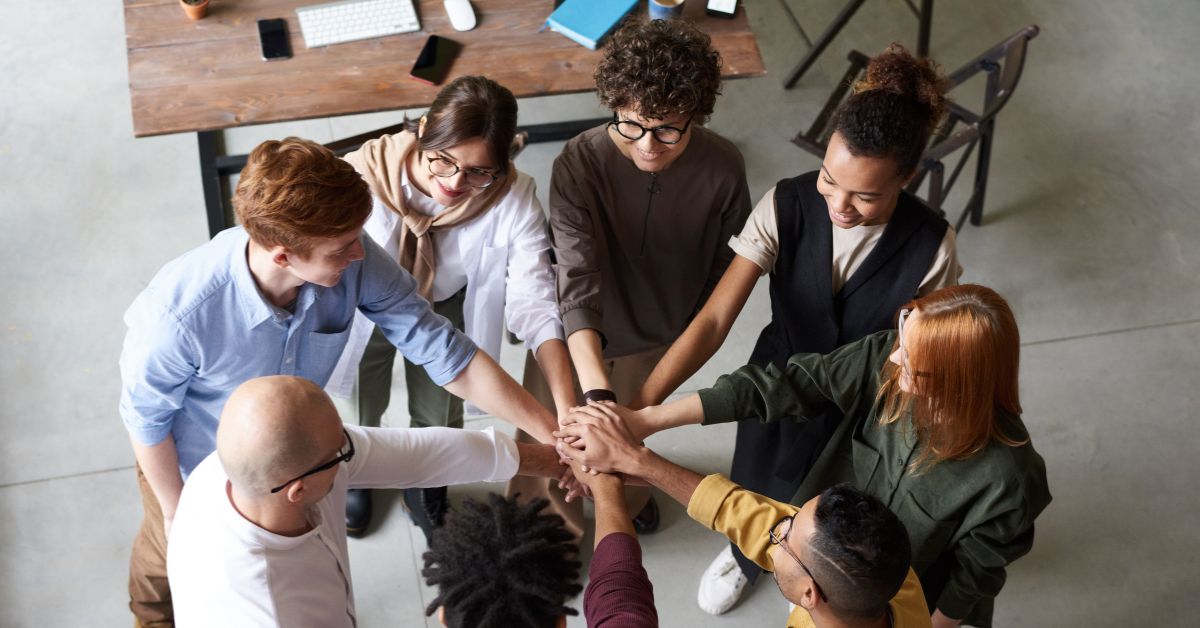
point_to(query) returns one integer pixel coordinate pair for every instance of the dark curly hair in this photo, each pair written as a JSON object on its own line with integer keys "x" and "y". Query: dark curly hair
{"x": 894, "y": 109}
{"x": 659, "y": 69}
{"x": 502, "y": 564}
{"x": 862, "y": 552}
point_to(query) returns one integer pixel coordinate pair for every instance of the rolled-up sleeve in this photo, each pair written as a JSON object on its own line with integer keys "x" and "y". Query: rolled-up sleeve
{"x": 388, "y": 296}
{"x": 157, "y": 363}
{"x": 759, "y": 238}
{"x": 576, "y": 249}
{"x": 531, "y": 305}
{"x": 744, "y": 517}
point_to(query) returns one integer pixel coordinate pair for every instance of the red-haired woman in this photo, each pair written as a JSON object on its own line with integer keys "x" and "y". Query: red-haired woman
{"x": 932, "y": 428}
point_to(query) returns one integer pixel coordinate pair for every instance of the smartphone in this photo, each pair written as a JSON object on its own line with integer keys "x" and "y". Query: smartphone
{"x": 721, "y": 8}
{"x": 434, "y": 61}
{"x": 273, "y": 37}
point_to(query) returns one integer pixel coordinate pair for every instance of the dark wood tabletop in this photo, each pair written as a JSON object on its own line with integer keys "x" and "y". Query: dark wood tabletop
{"x": 209, "y": 75}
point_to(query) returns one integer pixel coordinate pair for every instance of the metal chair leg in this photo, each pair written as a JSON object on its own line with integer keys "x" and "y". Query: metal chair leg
{"x": 822, "y": 42}
{"x": 983, "y": 163}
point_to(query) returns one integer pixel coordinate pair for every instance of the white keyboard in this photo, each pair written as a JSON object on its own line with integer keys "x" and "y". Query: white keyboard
{"x": 352, "y": 20}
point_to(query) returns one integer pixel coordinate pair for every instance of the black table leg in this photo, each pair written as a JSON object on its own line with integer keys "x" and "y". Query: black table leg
{"x": 211, "y": 179}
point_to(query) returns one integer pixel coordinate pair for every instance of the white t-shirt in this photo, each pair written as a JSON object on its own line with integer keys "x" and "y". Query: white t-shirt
{"x": 226, "y": 571}
{"x": 759, "y": 243}
{"x": 451, "y": 275}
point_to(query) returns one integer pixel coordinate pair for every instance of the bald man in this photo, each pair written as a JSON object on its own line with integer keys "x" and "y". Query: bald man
{"x": 259, "y": 538}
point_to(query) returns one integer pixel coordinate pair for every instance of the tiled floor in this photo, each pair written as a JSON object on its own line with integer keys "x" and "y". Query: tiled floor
{"x": 1090, "y": 233}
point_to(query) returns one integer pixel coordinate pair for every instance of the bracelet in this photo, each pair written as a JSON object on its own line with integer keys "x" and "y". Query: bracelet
{"x": 599, "y": 394}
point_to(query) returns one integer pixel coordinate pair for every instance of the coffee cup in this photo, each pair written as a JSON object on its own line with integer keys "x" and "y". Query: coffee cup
{"x": 665, "y": 9}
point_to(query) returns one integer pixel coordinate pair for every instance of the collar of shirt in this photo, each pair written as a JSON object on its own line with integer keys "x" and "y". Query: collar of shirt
{"x": 255, "y": 307}
{"x": 251, "y": 533}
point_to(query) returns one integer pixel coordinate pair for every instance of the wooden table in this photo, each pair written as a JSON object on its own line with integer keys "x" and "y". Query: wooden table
{"x": 208, "y": 75}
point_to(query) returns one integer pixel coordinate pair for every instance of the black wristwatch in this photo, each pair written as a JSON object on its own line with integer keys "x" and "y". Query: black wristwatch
{"x": 599, "y": 394}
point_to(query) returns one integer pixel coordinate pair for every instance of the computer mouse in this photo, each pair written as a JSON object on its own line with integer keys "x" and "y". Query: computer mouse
{"x": 461, "y": 14}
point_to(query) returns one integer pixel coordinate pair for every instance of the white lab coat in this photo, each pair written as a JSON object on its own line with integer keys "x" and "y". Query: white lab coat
{"x": 506, "y": 256}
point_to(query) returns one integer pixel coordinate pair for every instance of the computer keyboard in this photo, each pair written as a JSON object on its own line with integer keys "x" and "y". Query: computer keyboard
{"x": 352, "y": 20}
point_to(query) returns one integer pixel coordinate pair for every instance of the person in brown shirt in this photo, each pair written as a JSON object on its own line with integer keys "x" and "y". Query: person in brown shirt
{"x": 640, "y": 211}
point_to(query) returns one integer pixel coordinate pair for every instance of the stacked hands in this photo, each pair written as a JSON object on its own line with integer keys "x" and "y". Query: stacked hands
{"x": 599, "y": 438}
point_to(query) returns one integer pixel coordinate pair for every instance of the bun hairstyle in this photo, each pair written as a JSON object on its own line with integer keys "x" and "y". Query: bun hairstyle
{"x": 895, "y": 109}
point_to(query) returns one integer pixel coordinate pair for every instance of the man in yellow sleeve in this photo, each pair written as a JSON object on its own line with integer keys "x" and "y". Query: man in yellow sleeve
{"x": 842, "y": 558}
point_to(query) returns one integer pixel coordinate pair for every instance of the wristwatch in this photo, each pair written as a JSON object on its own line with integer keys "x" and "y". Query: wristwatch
{"x": 599, "y": 394}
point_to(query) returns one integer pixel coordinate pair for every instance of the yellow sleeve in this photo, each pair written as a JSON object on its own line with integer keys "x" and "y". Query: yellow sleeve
{"x": 908, "y": 606}
{"x": 744, "y": 517}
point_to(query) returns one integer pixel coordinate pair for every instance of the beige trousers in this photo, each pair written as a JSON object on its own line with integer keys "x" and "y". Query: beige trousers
{"x": 149, "y": 592}
{"x": 626, "y": 375}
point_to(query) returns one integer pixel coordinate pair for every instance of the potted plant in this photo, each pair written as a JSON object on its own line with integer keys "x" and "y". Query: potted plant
{"x": 195, "y": 9}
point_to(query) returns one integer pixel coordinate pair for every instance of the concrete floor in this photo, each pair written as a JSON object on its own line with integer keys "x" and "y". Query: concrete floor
{"x": 1089, "y": 232}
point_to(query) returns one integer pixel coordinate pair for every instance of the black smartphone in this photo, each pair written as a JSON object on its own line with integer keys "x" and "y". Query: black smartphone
{"x": 273, "y": 37}
{"x": 721, "y": 8}
{"x": 434, "y": 61}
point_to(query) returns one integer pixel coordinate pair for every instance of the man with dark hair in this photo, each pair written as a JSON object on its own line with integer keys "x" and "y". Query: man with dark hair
{"x": 260, "y": 536}
{"x": 500, "y": 564}
{"x": 641, "y": 209}
{"x": 842, "y": 558}
{"x": 275, "y": 296}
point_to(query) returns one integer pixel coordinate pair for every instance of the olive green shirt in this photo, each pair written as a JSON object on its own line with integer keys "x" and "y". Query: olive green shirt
{"x": 982, "y": 508}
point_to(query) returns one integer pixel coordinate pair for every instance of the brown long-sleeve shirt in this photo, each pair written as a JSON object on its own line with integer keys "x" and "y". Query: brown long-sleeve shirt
{"x": 638, "y": 253}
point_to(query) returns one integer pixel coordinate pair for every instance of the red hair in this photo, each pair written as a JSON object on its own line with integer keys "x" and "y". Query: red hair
{"x": 964, "y": 357}
{"x": 296, "y": 192}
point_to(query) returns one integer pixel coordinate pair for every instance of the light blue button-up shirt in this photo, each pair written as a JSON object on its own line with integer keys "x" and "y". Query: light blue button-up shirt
{"x": 202, "y": 327}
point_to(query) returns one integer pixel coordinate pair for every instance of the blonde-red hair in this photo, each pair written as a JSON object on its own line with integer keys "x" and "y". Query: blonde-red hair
{"x": 964, "y": 357}
{"x": 296, "y": 192}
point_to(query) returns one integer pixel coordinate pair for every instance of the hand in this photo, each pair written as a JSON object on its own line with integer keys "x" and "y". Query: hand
{"x": 605, "y": 443}
{"x": 637, "y": 422}
{"x": 569, "y": 482}
{"x": 595, "y": 482}
{"x": 941, "y": 621}
{"x": 564, "y": 419}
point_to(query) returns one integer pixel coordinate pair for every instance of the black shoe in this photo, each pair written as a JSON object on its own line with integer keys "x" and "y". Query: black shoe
{"x": 358, "y": 512}
{"x": 647, "y": 520}
{"x": 428, "y": 508}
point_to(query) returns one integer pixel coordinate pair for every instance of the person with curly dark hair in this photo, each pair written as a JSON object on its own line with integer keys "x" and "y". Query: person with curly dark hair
{"x": 500, "y": 564}
{"x": 640, "y": 211}
{"x": 846, "y": 246}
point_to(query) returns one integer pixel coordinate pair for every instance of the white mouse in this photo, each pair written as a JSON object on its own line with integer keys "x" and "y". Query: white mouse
{"x": 461, "y": 14}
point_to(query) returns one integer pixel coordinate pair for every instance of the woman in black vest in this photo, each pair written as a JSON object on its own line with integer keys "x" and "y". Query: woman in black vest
{"x": 846, "y": 246}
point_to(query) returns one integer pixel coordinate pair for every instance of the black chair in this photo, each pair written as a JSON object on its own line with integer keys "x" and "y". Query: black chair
{"x": 963, "y": 130}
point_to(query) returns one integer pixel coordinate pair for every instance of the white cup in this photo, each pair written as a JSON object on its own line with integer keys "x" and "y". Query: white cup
{"x": 665, "y": 9}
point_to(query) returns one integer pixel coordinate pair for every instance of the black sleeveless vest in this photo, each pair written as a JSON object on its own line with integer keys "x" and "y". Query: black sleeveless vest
{"x": 806, "y": 317}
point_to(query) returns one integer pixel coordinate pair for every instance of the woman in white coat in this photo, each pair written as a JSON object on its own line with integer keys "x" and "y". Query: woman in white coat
{"x": 453, "y": 210}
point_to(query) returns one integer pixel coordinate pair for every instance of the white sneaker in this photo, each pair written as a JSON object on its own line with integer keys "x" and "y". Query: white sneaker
{"x": 721, "y": 585}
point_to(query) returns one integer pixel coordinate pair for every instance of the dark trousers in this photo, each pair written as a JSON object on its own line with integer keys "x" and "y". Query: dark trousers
{"x": 429, "y": 405}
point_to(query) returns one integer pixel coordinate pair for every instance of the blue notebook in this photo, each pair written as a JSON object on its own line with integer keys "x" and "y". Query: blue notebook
{"x": 588, "y": 21}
